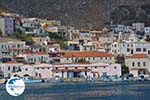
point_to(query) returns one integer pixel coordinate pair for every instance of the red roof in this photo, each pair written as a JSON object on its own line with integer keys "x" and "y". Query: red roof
{"x": 11, "y": 62}
{"x": 138, "y": 56}
{"x": 56, "y": 53}
{"x": 137, "y": 68}
{"x": 40, "y": 53}
{"x": 87, "y": 54}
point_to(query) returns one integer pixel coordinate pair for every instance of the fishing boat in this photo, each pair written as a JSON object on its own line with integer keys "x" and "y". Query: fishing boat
{"x": 28, "y": 80}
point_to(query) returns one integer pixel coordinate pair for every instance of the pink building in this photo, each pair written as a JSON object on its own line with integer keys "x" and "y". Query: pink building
{"x": 36, "y": 71}
{"x": 86, "y": 70}
{"x": 94, "y": 70}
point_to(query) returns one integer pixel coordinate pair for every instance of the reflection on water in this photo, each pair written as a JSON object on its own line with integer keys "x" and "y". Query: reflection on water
{"x": 83, "y": 91}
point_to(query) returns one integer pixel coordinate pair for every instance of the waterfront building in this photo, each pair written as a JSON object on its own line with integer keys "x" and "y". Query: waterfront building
{"x": 138, "y": 64}
{"x": 95, "y": 70}
{"x": 36, "y": 71}
{"x": 10, "y": 67}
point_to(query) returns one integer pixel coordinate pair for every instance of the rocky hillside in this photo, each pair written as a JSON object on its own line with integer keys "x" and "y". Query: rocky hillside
{"x": 83, "y": 13}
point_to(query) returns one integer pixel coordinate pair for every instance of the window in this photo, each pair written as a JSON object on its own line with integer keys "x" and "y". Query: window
{"x": 26, "y": 69}
{"x": 14, "y": 68}
{"x": 104, "y": 67}
{"x": 148, "y": 52}
{"x": 8, "y": 67}
{"x": 144, "y": 49}
{"x": 133, "y": 64}
{"x": 36, "y": 74}
{"x": 138, "y": 49}
{"x": 128, "y": 50}
{"x": 138, "y": 64}
{"x": 18, "y": 46}
{"x": 76, "y": 67}
{"x": 95, "y": 67}
{"x": 66, "y": 67}
{"x": 85, "y": 73}
{"x": 115, "y": 67}
{"x": 85, "y": 67}
{"x": 144, "y": 64}
{"x": 67, "y": 58}
{"x": 90, "y": 48}
{"x": 93, "y": 58}
{"x": 85, "y": 48}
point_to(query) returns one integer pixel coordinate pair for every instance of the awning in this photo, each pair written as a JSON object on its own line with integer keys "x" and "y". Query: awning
{"x": 75, "y": 70}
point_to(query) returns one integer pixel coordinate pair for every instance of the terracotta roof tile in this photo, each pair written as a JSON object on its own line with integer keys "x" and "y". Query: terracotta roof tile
{"x": 137, "y": 56}
{"x": 40, "y": 53}
{"x": 12, "y": 62}
{"x": 87, "y": 54}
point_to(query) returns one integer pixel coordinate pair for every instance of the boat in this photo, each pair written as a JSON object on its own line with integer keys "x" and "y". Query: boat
{"x": 27, "y": 80}
{"x": 52, "y": 80}
{"x": 2, "y": 81}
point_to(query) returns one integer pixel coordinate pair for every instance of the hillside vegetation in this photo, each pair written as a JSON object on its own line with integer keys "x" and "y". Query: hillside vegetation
{"x": 83, "y": 13}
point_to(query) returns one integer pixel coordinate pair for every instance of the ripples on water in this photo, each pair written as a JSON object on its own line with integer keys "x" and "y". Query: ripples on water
{"x": 82, "y": 91}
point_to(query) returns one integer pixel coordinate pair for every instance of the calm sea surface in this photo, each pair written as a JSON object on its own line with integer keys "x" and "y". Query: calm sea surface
{"x": 82, "y": 91}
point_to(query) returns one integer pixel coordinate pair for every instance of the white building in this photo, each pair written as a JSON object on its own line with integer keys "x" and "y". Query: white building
{"x": 139, "y": 64}
{"x": 10, "y": 67}
{"x": 87, "y": 47}
{"x": 36, "y": 71}
{"x": 6, "y": 26}
{"x": 34, "y": 57}
{"x": 132, "y": 46}
{"x": 138, "y": 27}
{"x": 129, "y": 48}
{"x": 9, "y": 47}
{"x": 121, "y": 28}
{"x": 32, "y": 26}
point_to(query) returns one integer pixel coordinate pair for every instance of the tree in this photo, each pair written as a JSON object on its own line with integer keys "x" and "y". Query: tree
{"x": 60, "y": 39}
{"x": 125, "y": 69}
{"x": 19, "y": 34}
{"x": 81, "y": 60}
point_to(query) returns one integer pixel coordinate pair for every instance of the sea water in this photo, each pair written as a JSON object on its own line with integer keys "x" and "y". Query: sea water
{"x": 82, "y": 91}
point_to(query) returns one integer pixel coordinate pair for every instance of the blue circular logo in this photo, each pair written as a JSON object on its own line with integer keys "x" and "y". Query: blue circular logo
{"x": 15, "y": 86}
